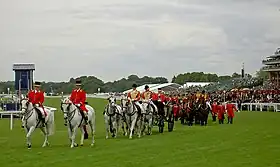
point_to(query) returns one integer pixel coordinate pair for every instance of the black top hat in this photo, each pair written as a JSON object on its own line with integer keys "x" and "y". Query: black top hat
{"x": 37, "y": 83}
{"x": 159, "y": 88}
{"x": 134, "y": 86}
{"x": 146, "y": 87}
{"x": 78, "y": 82}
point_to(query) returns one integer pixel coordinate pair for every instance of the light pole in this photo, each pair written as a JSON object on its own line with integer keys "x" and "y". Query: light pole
{"x": 8, "y": 89}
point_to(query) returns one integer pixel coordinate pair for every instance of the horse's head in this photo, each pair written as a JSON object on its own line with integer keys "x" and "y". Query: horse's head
{"x": 25, "y": 105}
{"x": 66, "y": 104}
{"x": 112, "y": 101}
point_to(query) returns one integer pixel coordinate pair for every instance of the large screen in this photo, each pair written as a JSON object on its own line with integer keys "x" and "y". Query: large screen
{"x": 22, "y": 80}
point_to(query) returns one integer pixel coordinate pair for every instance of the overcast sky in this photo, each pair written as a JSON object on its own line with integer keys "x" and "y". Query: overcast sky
{"x": 114, "y": 38}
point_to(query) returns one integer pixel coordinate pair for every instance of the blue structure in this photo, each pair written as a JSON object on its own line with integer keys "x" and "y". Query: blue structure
{"x": 23, "y": 77}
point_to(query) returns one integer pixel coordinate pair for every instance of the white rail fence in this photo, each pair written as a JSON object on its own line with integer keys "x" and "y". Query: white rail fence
{"x": 261, "y": 106}
{"x": 13, "y": 113}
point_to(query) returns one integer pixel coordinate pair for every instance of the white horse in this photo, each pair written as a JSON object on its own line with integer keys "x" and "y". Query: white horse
{"x": 75, "y": 120}
{"x": 133, "y": 118}
{"x": 113, "y": 116}
{"x": 31, "y": 121}
{"x": 148, "y": 118}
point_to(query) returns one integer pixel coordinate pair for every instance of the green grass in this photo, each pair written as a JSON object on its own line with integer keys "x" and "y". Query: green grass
{"x": 253, "y": 140}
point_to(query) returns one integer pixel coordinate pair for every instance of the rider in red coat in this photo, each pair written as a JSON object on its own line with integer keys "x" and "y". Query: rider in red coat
{"x": 78, "y": 97}
{"x": 36, "y": 97}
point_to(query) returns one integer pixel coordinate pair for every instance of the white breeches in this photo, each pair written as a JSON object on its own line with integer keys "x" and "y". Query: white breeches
{"x": 41, "y": 110}
{"x": 140, "y": 106}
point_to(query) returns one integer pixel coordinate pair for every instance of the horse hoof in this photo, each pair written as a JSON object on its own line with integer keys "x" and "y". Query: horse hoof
{"x": 29, "y": 146}
{"x": 22, "y": 126}
{"x": 106, "y": 137}
{"x": 130, "y": 137}
{"x": 92, "y": 144}
{"x": 81, "y": 145}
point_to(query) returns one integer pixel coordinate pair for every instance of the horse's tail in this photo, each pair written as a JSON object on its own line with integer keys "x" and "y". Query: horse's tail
{"x": 50, "y": 127}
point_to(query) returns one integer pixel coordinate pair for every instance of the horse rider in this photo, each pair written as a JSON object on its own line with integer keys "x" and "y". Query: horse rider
{"x": 135, "y": 96}
{"x": 161, "y": 101}
{"x": 78, "y": 97}
{"x": 147, "y": 97}
{"x": 36, "y": 97}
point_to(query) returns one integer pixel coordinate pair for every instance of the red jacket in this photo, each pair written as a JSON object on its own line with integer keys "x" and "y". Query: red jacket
{"x": 214, "y": 108}
{"x": 78, "y": 96}
{"x": 161, "y": 97}
{"x": 221, "y": 111}
{"x": 36, "y": 97}
{"x": 231, "y": 108}
{"x": 154, "y": 96}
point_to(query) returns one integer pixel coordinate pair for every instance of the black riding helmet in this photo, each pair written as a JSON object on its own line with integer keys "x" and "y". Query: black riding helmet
{"x": 147, "y": 87}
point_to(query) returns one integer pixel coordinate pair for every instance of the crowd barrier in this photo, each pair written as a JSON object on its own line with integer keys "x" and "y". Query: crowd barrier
{"x": 13, "y": 113}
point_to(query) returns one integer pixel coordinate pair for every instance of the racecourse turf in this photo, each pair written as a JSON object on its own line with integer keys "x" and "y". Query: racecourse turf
{"x": 252, "y": 141}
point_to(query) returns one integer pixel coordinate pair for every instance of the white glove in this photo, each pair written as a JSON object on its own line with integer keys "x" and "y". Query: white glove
{"x": 37, "y": 105}
{"x": 79, "y": 105}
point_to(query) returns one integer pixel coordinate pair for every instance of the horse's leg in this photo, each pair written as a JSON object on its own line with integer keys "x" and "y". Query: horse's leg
{"x": 73, "y": 137}
{"x": 82, "y": 136}
{"x": 150, "y": 125}
{"x": 28, "y": 136}
{"x": 140, "y": 125}
{"x": 92, "y": 132}
{"x": 115, "y": 127}
{"x": 107, "y": 127}
{"x": 46, "y": 136}
{"x": 69, "y": 133}
{"x": 132, "y": 126}
{"x": 22, "y": 122}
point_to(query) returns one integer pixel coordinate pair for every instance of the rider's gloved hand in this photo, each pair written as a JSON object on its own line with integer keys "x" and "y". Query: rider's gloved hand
{"x": 79, "y": 105}
{"x": 37, "y": 105}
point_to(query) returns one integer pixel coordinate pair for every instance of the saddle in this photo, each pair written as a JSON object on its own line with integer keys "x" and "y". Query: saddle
{"x": 39, "y": 113}
{"x": 138, "y": 108}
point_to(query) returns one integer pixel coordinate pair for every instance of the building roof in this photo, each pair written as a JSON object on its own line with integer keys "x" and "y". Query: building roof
{"x": 23, "y": 66}
{"x": 154, "y": 87}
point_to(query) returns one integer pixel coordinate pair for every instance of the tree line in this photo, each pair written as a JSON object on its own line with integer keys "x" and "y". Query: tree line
{"x": 91, "y": 84}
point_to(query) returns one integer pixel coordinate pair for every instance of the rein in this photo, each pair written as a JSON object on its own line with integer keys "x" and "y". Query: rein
{"x": 70, "y": 114}
{"x": 28, "y": 113}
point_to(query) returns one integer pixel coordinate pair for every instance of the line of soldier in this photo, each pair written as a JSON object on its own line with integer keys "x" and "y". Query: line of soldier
{"x": 182, "y": 105}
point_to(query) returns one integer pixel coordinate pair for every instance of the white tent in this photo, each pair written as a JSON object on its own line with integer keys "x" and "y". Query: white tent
{"x": 154, "y": 87}
{"x": 189, "y": 84}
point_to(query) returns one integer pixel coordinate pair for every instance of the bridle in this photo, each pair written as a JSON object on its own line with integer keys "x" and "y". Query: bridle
{"x": 26, "y": 111}
{"x": 70, "y": 114}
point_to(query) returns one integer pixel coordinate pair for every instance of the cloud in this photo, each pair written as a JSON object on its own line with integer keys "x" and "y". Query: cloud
{"x": 114, "y": 38}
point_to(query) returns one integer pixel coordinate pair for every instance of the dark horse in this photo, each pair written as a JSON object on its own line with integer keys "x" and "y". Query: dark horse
{"x": 203, "y": 112}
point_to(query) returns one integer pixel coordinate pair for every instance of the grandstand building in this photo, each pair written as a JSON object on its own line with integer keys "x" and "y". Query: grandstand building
{"x": 272, "y": 66}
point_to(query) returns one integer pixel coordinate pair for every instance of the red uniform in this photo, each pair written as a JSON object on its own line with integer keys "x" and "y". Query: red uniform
{"x": 78, "y": 96}
{"x": 37, "y": 97}
{"x": 221, "y": 111}
{"x": 161, "y": 97}
{"x": 154, "y": 96}
{"x": 134, "y": 95}
{"x": 231, "y": 108}
{"x": 214, "y": 109}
